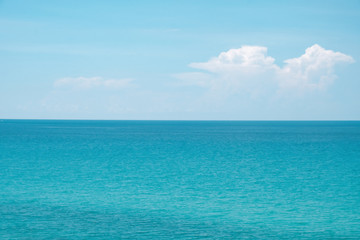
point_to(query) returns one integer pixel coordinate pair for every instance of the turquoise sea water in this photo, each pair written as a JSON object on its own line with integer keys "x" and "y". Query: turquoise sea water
{"x": 179, "y": 180}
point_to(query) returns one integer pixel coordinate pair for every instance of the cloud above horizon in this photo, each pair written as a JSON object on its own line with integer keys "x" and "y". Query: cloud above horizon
{"x": 312, "y": 70}
{"x": 245, "y": 59}
{"x": 249, "y": 67}
{"x": 84, "y": 83}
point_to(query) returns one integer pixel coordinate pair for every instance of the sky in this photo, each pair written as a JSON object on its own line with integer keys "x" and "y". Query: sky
{"x": 180, "y": 60}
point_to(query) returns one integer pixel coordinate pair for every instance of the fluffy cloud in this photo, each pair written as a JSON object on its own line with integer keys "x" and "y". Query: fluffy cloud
{"x": 91, "y": 82}
{"x": 313, "y": 70}
{"x": 249, "y": 67}
{"x": 245, "y": 59}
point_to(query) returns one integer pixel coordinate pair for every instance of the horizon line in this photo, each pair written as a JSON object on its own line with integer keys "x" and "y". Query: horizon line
{"x": 212, "y": 120}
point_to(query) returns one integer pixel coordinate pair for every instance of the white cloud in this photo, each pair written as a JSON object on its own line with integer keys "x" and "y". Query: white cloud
{"x": 91, "y": 82}
{"x": 245, "y": 59}
{"x": 313, "y": 70}
{"x": 249, "y": 68}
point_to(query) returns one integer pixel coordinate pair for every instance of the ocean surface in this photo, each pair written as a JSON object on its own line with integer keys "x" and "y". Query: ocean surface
{"x": 179, "y": 179}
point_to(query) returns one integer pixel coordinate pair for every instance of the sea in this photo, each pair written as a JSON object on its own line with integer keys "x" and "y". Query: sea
{"x": 77, "y": 179}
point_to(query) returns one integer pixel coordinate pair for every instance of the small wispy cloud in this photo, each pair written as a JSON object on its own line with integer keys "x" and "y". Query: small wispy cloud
{"x": 250, "y": 68}
{"x": 83, "y": 83}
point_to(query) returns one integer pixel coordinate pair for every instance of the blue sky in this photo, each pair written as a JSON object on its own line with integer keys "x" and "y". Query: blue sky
{"x": 235, "y": 60}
